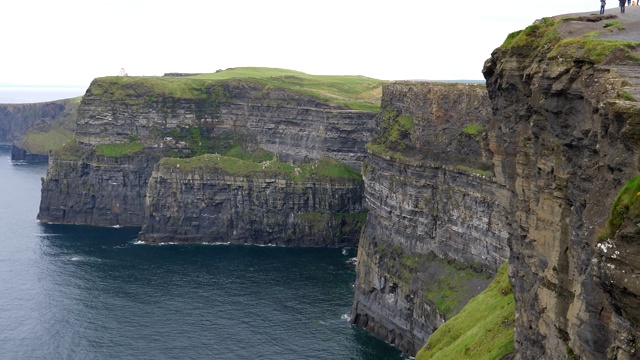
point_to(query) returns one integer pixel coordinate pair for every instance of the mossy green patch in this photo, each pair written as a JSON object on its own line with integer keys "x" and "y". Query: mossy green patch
{"x": 626, "y": 206}
{"x": 473, "y": 129}
{"x": 449, "y": 282}
{"x": 118, "y": 150}
{"x": 43, "y": 142}
{"x": 625, "y": 95}
{"x": 482, "y": 330}
{"x": 395, "y": 130}
{"x": 324, "y": 168}
{"x": 594, "y": 50}
{"x": 544, "y": 35}
{"x": 613, "y": 24}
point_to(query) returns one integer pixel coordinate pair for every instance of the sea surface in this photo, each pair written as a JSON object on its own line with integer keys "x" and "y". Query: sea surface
{"x": 77, "y": 292}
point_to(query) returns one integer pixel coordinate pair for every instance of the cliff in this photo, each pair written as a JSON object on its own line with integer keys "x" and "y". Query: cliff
{"x": 126, "y": 125}
{"x": 564, "y": 136}
{"x": 438, "y": 223}
{"x": 213, "y": 198}
{"x": 35, "y": 129}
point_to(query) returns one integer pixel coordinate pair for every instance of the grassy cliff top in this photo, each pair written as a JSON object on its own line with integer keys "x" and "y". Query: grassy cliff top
{"x": 324, "y": 168}
{"x": 356, "y": 92}
{"x": 593, "y": 38}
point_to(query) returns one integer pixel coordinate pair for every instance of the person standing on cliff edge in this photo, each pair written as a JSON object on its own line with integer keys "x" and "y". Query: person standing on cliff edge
{"x": 602, "y": 4}
{"x": 622, "y": 4}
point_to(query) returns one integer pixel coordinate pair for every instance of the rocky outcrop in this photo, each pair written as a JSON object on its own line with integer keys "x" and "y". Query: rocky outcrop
{"x": 565, "y": 140}
{"x": 207, "y": 203}
{"x": 20, "y": 154}
{"x": 435, "y": 213}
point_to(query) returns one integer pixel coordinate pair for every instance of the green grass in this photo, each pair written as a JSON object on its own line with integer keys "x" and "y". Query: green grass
{"x": 544, "y": 35}
{"x": 473, "y": 129}
{"x": 118, "y": 150}
{"x": 540, "y": 34}
{"x": 322, "y": 169}
{"x": 449, "y": 286}
{"x": 355, "y": 92}
{"x": 43, "y": 142}
{"x": 624, "y": 95}
{"x": 626, "y": 206}
{"x": 482, "y": 330}
{"x": 594, "y": 50}
{"x": 613, "y": 24}
{"x": 259, "y": 155}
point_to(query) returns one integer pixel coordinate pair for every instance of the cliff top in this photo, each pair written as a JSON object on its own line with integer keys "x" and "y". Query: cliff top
{"x": 609, "y": 41}
{"x": 356, "y": 92}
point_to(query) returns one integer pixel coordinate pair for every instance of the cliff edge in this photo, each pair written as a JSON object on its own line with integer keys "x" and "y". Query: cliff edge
{"x": 565, "y": 137}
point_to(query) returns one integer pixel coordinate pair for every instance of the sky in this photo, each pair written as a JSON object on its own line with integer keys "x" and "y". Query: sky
{"x": 71, "y": 42}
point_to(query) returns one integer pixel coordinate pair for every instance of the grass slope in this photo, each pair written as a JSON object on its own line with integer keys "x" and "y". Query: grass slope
{"x": 56, "y": 132}
{"x": 482, "y": 330}
{"x": 626, "y": 206}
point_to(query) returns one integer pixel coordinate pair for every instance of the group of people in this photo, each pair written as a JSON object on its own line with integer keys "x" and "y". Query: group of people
{"x": 622, "y": 5}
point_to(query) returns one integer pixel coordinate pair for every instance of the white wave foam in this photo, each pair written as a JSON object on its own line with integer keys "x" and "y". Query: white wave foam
{"x": 345, "y": 317}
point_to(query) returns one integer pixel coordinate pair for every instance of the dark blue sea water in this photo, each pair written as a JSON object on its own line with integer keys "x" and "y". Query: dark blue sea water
{"x": 73, "y": 292}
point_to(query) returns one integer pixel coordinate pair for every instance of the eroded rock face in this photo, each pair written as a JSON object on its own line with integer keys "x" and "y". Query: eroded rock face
{"x": 564, "y": 144}
{"x": 212, "y": 205}
{"x": 427, "y": 205}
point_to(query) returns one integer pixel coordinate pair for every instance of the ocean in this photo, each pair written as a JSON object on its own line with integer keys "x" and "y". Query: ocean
{"x": 78, "y": 292}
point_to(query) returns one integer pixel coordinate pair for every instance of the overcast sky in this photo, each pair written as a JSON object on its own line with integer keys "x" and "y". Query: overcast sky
{"x": 71, "y": 42}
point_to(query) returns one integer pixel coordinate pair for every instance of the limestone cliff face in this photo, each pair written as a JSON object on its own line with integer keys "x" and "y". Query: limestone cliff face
{"x": 96, "y": 190}
{"x": 125, "y": 125}
{"x": 292, "y": 125}
{"x": 432, "y": 200}
{"x": 564, "y": 142}
{"x": 210, "y": 204}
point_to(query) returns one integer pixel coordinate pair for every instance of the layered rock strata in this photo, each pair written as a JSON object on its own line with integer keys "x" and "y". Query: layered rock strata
{"x": 207, "y": 203}
{"x": 96, "y": 190}
{"x": 35, "y": 129}
{"x": 126, "y": 125}
{"x": 292, "y": 125}
{"x": 432, "y": 200}
{"x": 565, "y": 139}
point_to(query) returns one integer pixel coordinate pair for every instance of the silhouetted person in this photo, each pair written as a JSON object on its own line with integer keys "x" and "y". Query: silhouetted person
{"x": 628, "y": 2}
{"x": 602, "y": 4}
{"x": 622, "y": 4}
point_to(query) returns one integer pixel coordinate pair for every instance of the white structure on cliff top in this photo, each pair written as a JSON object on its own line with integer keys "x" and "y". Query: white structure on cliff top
{"x": 122, "y": 72}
